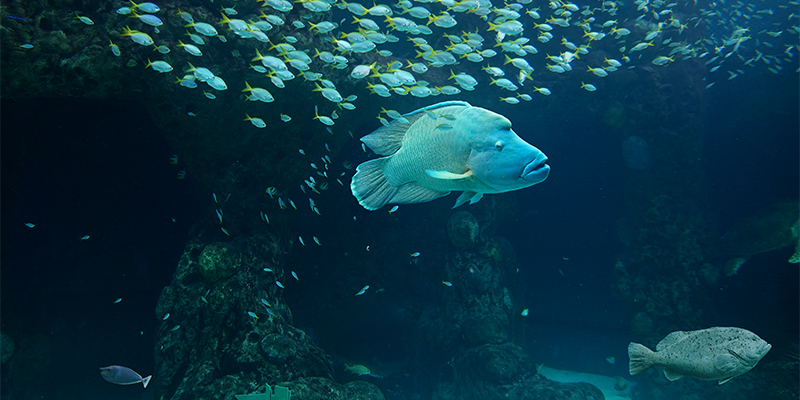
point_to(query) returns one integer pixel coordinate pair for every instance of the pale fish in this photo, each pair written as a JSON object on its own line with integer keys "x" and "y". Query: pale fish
{"x": 715, "y": 353}
{"x": 123, "y": 375}
{"x": 359, "y": 369}
{"x": 480, "y": 154}
{"x": 363, "y": 290}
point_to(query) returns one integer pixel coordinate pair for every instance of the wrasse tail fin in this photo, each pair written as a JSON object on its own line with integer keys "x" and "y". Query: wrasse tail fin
{"x": 373, "y": 191}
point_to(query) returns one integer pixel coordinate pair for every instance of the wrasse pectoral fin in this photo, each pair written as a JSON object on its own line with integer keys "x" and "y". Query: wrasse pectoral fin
{"x": 439, "y": 174}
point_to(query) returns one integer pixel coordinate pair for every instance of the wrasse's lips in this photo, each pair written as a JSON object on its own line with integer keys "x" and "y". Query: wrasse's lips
{"x": 536, "y": 170}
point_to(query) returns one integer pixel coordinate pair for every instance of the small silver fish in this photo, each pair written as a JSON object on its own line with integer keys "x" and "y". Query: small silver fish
{"x": 362, "y": 291}
{"x": 123, "y": 375}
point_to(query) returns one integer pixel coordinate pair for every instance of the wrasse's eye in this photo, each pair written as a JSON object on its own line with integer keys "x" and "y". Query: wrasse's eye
{"x": 498, "y": 145}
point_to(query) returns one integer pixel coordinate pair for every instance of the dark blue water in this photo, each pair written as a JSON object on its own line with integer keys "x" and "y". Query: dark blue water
{"x": 99, "y": 168}
{"x": 85, "y": 171}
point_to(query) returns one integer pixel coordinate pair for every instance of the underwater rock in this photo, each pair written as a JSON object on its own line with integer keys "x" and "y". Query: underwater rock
{"x": 499, "y": 251}
{"x": 624, "y": 232}
{"x": 489, "y": 328}
{"x": 471, "y": 333}
{"x": 537, "y": 387}
{"x": 495, "y": 372}
{"x": 6, "y": 347}
{"x": 636, "y": 153}
{"x": 642, "y": 324}
{"x": 233, "y": 335}
{"x": 439, "y": 334}
{"x": 710, "y": 274}
{"x": 481, "y": 369}
{"x": 21, "y": 377}
{"x": 325, "y": 389}
{"x": 218, "y": 260}
{"x": 479, "y": 278}
{"x": 615, "y": 115}
{"x": 463, "y": 229}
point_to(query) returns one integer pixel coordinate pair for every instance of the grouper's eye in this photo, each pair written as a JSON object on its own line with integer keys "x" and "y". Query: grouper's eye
{"x": 499, "y": 145}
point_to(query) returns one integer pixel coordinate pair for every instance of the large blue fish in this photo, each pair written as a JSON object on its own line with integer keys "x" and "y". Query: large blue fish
{"x": 445, "y": 147}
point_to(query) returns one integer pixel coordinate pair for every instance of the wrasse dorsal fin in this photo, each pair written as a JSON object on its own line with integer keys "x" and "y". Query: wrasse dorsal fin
{"x": 388, "y": 139}
{"x": 438, "y": 105}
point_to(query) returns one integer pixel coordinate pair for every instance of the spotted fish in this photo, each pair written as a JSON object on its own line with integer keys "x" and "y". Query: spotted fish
{"x": 714, "y": 353}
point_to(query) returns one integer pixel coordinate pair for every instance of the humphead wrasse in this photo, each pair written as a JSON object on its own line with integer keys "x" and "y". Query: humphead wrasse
{"x": 445, "y": 147}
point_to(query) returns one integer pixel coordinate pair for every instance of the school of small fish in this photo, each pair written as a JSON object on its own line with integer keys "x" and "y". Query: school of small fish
{"x": 516, "y": 45}
{"x": 660, "y": 33}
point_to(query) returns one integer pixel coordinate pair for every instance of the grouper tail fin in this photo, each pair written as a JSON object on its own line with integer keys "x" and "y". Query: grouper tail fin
{"x": 640, "y": 358}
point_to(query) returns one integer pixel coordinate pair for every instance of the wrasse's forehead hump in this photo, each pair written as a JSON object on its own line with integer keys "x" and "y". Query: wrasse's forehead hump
{"x": 487, "y": 119}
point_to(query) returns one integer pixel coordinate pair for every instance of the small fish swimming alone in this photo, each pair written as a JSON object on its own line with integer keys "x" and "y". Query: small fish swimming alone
{"x": 479, "y": 154}
{"x": 359, "y": 369}
{"x": 362, "y": 291}
{"x": 715, "y": 353}
{"x": 123, "y": 375}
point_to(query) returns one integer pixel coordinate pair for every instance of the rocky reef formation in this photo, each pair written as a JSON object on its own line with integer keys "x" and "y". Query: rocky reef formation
{"x": 25, "y": 360}
{"x": 471, "y": 339}
{"x": 226, "y": 329}
{"x": 6, "y": 347}
{"x": 669, "y": 224}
